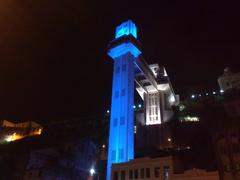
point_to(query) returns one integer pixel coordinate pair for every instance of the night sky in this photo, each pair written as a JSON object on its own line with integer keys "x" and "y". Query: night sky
{"x": 53, "y": 62}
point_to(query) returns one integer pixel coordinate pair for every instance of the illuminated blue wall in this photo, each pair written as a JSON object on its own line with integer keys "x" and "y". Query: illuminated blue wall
{"x": 126, "y": 28}
{"x": 121, "y": 135}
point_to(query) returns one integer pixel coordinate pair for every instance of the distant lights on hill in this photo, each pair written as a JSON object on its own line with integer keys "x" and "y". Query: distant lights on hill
{"x": 193, "y": 96}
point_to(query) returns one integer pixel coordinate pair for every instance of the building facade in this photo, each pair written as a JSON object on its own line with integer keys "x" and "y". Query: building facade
{"x": 162, "y": 168}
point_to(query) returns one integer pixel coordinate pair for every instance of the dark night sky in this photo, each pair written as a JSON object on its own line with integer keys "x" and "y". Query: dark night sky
{"x": 53, "y": 53}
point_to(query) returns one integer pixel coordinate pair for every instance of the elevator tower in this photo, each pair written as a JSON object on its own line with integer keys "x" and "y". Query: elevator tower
{"x": 152, "y": 84}
{"x": 123, "y": 50}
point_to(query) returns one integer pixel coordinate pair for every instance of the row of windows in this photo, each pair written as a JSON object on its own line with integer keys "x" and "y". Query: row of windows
{"x": 123, "y": 93}
{"x": 141, "y": 173}
{"x": 115, "y": 121}
{"x": 236, "y": 167}
{"x": 124, "y": 68}
{"x": 121, "y": 154}
{"x": 153, "y": 105}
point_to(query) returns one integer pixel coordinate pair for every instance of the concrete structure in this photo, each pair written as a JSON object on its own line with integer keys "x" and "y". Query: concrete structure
{"x": 162, "y": 168}
{"x": 159, "y": 98}
{"x": 229, "y": 80}
{"x": 152, "y": 84}
{"x": 123, "y": 51}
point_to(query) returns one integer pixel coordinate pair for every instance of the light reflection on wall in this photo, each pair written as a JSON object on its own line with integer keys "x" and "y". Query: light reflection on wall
{"x": 16, "y": 136}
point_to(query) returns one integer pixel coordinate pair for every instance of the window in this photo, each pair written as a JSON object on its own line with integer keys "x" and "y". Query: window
{"x": 136, "y": 174}
{"x": 236, "y": 148}
{"x": 113, "y": 155}
{"x": 117, "y": 70}
{"x": 122, "y": 175}
{"x": 142, "y": 173}
{"x": 157, "y": 171}
{"x": 227, "y": 168}
{"x": 115, "y": 122}
{"x": 165, "y": 172}
{"x": 130, "y": 174}
{"x": 121, "y": 154}
{"x": 122, "y": 120}
{"x": 116, "y": 94}
{"x": 237, "y": 166}
{"x": 123, "y": 92}
{"x": 148, "y": 173}
{"x": 124, "y": 67}
{"x": 135, "y": 129}
{"x": 115, "y": 176}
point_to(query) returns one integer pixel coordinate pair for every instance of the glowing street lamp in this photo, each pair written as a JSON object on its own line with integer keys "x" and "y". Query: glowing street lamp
{"x": 92, "y": 171}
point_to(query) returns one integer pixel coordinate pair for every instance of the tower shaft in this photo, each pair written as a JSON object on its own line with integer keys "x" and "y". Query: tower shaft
{"x": 121, "y": 137}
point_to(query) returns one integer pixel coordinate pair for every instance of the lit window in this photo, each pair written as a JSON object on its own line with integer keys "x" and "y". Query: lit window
{"x": 165, "y": 172}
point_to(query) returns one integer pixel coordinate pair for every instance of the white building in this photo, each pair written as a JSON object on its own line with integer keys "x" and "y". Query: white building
{"x": 229, "y": 80}
{"x": 158, "y": 97}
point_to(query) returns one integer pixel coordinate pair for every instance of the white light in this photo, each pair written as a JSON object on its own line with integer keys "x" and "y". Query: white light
{"x": 214, "y": 92}
{"x": 190, "y": 119}
{"x": 193, "y": 96}
{"x": 103, "y": 146}
{"x": 108, "y": 111}
{"x": 181, "y": 107}
{"x": 206, "y": 94}
{"x": 199, "y": 95}
{"x": 221, "y": 91}
{"x": 92, "y": 171}
{"x": 134, "y": 106}
{"x": 172, "y": 99}
{"x": 169, "y": 139}
{"x": 139, "y": 105}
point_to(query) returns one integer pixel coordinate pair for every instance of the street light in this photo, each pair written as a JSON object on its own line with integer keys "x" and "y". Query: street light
{"x": 92, "y": 171}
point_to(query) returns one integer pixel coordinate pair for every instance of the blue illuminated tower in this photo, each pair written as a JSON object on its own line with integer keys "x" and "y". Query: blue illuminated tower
{"x": 123, "y": 50}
